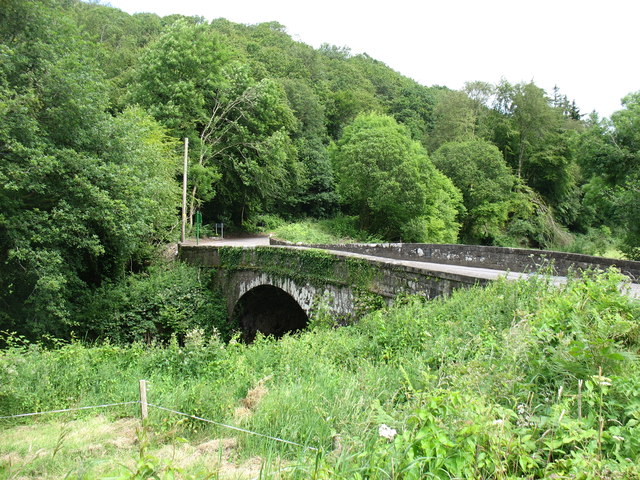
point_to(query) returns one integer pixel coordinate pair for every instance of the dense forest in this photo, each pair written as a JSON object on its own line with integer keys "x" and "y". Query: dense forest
{"x": 94, "y": 104}
{"x": 513, "y": 380}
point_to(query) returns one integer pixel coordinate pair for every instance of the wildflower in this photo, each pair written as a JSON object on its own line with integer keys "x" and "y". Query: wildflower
{"x": 497, "y": 422}
{"x": 520, "y": 409}
{"x": 387, "y": 432}
{"x": 601, "y": 380}
{"x": 618, "y": 438}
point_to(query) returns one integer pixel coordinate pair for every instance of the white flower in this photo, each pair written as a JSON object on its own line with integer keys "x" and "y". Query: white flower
{"x": 387, "y": 432}
{"x": 498, "y": 422}
{"x": 601, "y": 380}
{"x": 618, "y": 437}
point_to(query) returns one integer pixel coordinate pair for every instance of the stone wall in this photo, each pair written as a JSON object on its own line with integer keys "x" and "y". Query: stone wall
{"x": 311, "y": 275}
{"x": 498, "y": 258}
{"x": 237, "y": 283}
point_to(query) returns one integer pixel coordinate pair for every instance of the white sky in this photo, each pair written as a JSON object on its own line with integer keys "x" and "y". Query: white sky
{"x": 590, "y": 49}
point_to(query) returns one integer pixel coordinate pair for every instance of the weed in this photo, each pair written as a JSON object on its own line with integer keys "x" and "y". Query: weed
{"x": 512, "y": 380}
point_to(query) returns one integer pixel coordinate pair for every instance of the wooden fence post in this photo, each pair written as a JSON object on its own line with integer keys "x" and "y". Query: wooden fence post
{"x": 143, "y": 400}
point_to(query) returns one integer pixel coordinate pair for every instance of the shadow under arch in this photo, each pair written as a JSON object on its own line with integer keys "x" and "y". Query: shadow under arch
{"x": 270, "y": 311}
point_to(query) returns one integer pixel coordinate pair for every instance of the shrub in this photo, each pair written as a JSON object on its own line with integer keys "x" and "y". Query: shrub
{"x": 340, "y": 229}
{"x": 513, "y": 380}
{"x": 169, "y": 299}
{"x": 263, "y": 223}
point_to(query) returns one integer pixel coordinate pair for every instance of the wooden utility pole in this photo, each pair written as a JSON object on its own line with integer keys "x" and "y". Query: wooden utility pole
{"x": 184, "y": 190}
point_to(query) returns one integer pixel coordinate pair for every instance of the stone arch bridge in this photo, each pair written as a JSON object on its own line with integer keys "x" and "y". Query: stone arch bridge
{"x": 276, "y": 289}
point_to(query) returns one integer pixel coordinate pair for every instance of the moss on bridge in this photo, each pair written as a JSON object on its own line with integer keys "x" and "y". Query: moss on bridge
{"x": 312, "y": 266}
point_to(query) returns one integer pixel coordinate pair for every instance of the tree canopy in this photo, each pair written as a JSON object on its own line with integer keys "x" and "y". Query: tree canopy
{"x": 479, "y": 171}
{"x": 84, "y": 194}
{"x": 95, "y": 103}
{"x": 609, "y": 155}
{"x": 389, "y": 181}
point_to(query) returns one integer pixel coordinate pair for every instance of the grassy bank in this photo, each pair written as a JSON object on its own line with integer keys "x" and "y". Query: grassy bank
{"x": 515, "y": 380}
{"x": 339, "y": 229}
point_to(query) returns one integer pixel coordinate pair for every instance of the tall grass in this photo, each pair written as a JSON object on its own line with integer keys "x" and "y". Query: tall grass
{"x": 339, "y": 229}
{"x": 514, "y": 380}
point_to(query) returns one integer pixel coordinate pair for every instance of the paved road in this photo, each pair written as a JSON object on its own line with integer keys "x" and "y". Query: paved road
{"x": 258, "y": 241}
{"x": 473, "y": 272}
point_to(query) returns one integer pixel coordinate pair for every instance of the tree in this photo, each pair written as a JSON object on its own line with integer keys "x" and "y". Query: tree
{"x": 73, "y": 219}
{"x": 410, "y": 103}
{"x": 348, "y": 90}
{"x": 481, "y": 94}
{"x": 242, "y": 157}
{"x": 455, "y": 118}
{"x": 119, "y": 38}
{"x": 316, "y": 194}
{"x": 609, "y": 153}
{"x": 178, "y": 77}
{"x": 479, "y": 171}
{"x": 246, "y": 141}
{"x": 84, "y": 195}
{"x": 533, "y": 118}
{"x": 388, "y": 180}
{"x": 538, "y": 140}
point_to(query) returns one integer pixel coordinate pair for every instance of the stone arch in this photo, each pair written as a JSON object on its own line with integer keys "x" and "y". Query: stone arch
{"x": 270, "y": 310}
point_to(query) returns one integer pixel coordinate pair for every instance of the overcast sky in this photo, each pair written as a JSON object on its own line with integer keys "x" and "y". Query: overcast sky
{"x": 589, "y": 48}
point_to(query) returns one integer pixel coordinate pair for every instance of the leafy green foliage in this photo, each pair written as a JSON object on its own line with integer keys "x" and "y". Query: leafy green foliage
{"x": 165, "y": 301}
{"x": 239, "y": 127}
{"x": 87, "y": 181}
{"x": 388, "y": 180}
{"x": 252, "y": 150}
{"x": 178, "y": 76}
{"x": 84, "y": 195}
{"x": 479, "y": 171}
{"x": 455, "y": 118}
{"x": 515, "y": 380}
{"x": 609, "y": 155}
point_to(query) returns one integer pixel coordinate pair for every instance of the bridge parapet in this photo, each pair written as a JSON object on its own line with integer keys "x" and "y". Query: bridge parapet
{"x": 320, "y": 267}
{"x": 337, "y": 282}
{"x": 277, "y": 289}
{"x": 498, "y": 258}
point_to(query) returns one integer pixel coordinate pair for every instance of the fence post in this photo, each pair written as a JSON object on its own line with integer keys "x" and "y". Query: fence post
{"x": 143, "y": 400}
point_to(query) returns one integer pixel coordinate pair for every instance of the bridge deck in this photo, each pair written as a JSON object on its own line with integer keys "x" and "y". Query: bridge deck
{"x": 466, "y": 271}
{"x": 471, "y": 272}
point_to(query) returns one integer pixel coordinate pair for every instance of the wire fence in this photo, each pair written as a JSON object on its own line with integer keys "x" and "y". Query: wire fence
{"x": 143, "y": 403}
{"x": 231, "y": 427}
{"x": 69, "y": 409}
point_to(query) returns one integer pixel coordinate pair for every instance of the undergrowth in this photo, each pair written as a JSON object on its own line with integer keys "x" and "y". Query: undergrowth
{"x": 514, "y": 380}
{"x": 339, "y": 229}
